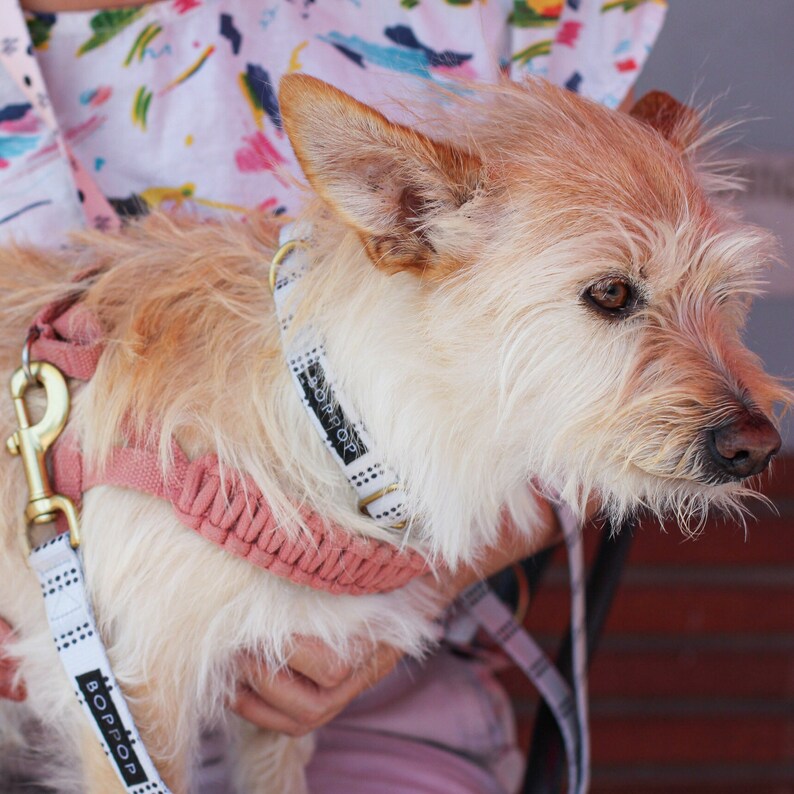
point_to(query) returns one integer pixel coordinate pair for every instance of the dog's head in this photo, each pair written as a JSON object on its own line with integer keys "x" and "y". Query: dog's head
{"x": 585, "y": 273}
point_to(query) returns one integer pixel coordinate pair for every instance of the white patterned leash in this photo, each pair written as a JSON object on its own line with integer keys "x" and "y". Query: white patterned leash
{"x": 57, "y": 565}
{"x": 83, "y": 656}
{"x": 569, "y": 708}
{"x": 381, "y": 495}
{"x": 18, "y": 57}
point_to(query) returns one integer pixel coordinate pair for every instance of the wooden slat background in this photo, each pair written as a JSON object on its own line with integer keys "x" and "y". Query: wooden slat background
{"x": 692, "y": 688}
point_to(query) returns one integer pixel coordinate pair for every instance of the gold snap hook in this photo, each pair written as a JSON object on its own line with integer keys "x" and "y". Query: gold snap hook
{"x": 31, "y": 442}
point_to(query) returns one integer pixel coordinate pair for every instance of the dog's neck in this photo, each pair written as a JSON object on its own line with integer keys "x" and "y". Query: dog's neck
{"x": 388, "y": 338}
{"x": 201, "y": 351}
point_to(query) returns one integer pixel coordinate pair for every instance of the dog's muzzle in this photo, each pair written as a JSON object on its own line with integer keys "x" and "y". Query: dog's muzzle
{"x": 742, "y": 447}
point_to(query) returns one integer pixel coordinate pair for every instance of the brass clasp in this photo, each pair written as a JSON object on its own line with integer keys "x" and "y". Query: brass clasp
{"x": 278, "y": 259}
{"x": 31, "y": 442}
{"x": 364, "y": 503}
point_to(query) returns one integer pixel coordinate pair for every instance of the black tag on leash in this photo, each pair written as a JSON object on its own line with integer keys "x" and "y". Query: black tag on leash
{"x": 97, "y": 695}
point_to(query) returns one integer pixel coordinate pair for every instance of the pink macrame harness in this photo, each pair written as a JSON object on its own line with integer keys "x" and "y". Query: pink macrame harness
{"x": 231, "y": 512}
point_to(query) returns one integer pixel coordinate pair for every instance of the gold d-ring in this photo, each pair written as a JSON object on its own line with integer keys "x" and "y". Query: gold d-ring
{"x": 278, "y": 258}
{"x": 33, "y": 334}
{"x": 364, "y": 503}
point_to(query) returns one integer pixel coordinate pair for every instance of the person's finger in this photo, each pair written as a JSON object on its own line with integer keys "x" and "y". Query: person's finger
{"x": 312, "y": 659}
{"x": 298, "y": 698}
{"x": 250, "y": 706}
{"x": 289, "y": 704}
{"x": 293, "y": 704}
{"x": 379, "y": 665}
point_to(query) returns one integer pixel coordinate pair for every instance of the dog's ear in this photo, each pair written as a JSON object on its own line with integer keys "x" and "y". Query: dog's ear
{"x": 678, "y": 123}
{"x": 398, "y": 188}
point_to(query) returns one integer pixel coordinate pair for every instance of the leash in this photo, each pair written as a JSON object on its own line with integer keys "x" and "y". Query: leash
{"x": 545, "y": 765}
{"x": 568, "y": 708}
{"x": 58, "y": 566}
{"x": 83, "y": 656}
{"x": 344, "y": 434}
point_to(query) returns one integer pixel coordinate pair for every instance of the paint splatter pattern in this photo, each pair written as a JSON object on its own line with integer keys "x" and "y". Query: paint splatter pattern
{"x": 175, "y": 104}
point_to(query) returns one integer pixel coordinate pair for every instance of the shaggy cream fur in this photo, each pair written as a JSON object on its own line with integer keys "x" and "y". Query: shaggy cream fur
{"x": 447, "y": 280}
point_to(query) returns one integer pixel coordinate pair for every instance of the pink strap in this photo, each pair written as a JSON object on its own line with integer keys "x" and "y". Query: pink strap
{"x": 68, "y": 335}
{"x": 232, "y": 513}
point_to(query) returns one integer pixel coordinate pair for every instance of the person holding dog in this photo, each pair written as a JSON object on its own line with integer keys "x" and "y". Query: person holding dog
{"x": 119, "y": 80}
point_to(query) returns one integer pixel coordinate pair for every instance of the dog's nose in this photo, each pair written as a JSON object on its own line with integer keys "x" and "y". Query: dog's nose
{"x": 744, "y": 446}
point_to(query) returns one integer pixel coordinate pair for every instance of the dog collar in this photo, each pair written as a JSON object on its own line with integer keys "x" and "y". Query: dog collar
{"x": 380, "y": 493}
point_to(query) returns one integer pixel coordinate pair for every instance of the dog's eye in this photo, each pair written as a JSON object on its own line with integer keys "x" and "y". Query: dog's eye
{"x": 613, "y": 296}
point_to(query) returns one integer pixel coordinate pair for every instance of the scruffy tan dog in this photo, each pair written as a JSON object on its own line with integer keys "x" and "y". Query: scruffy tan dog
{"x": 549, "y": 293}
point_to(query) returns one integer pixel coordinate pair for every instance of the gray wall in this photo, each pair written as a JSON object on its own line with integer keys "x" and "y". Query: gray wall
{"x": 739, "y": 51}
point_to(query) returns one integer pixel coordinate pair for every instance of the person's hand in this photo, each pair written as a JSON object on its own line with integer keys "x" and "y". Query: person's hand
{"x": 8, "y": 668}
{"x": 317, "y": 685}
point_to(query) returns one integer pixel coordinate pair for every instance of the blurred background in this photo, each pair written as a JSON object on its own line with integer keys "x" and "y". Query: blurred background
{"x": 692, "y": 687}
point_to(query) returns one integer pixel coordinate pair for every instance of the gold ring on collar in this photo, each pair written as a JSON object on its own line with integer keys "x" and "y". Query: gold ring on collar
{"x": 363, "y": 503}
{"x": 278, "y": 258}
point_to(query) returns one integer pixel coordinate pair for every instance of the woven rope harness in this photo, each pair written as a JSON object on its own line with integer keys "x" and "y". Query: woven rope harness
{"x": 230, "y": 510}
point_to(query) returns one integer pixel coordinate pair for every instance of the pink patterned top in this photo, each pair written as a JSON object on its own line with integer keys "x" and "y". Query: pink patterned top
{"x": 174, "y": 103}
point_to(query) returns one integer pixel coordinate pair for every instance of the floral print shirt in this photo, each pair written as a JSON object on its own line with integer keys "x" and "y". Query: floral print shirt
{"x": 174, "y": 103}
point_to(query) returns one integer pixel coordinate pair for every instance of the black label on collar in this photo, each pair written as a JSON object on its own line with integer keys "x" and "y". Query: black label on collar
{"x": 95, "y": 691}
{"x": 338, "y": 430}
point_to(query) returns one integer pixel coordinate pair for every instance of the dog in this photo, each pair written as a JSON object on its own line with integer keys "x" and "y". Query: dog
{"x": 531, "y": 288}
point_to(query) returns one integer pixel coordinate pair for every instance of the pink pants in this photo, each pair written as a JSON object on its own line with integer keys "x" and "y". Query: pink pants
{"x": 441, "y": 727}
